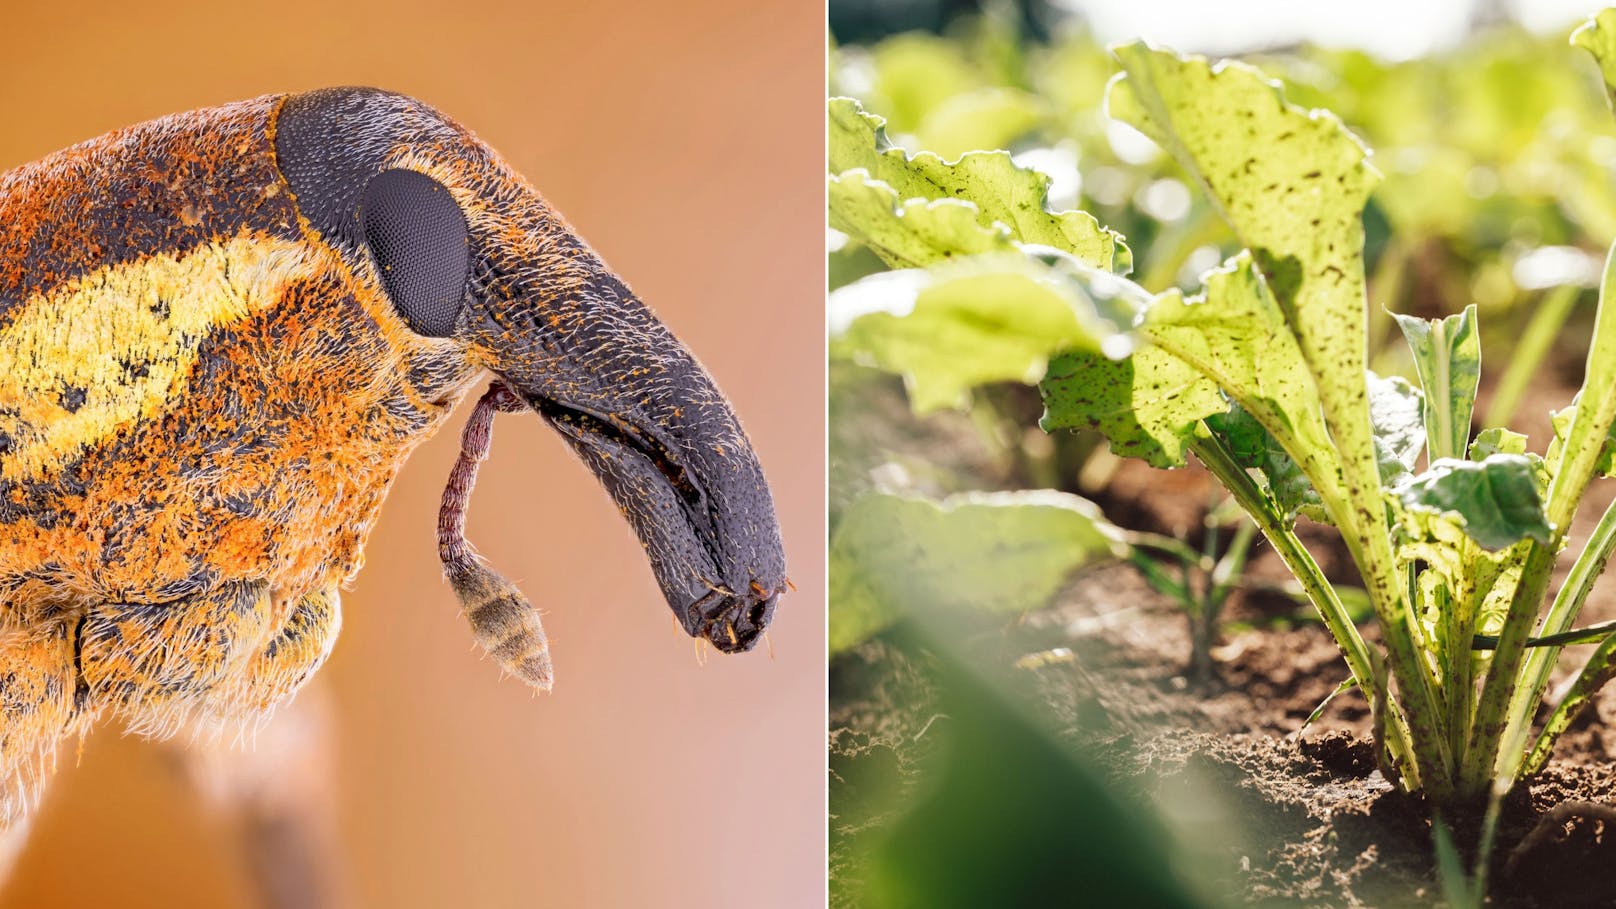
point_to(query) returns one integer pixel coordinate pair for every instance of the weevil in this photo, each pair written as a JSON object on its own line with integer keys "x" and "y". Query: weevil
{"x": 221, "y": 334}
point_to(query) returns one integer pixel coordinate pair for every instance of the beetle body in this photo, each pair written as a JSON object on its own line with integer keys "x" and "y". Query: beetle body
{"x": 222, "y": 333}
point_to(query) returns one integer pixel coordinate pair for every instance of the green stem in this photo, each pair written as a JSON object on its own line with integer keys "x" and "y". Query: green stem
{"x": 1220, "y": 461}
{"x": 1348, "y": 483}
{"x": 1206, "y": 616}
{"x": 1529, "y": 351}
{"x": 1455, "y": 659}
{"x": 1171, "y": 546}
{"x": 1370, "y": 546}
{"x": 1599, "y": 669}
{"x": 1562, "y": 614}
{"x": 1504, "y": 715}
{"x": 1492, "y": 714}
{"x": 989, "y": 425}
{"x": 1160, "y": 580}
{"x": 1229, "y": 568}
{"x": 1489, "y": 833}
{"x": 1592, "y": 634}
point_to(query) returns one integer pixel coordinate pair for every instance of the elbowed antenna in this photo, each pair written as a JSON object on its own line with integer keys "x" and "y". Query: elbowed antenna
{"x": 505, "y": 623}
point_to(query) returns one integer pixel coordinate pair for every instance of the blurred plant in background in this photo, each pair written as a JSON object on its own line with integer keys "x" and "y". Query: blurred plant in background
{"x": 1497, "y": 156}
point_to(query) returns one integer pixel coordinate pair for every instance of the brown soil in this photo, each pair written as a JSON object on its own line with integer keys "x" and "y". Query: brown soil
{"x": 1306, "y": 818}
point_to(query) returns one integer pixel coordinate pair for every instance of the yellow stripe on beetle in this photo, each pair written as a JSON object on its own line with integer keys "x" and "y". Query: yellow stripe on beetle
{"x": 115, "y": 346}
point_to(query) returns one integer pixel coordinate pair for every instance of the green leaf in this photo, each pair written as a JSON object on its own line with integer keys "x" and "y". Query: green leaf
{"x": 1459, "y": 889}
{"x": 1231, "y": 337}
{"x": 1496, "y": 500}
{"x": 1598, "y": 37}
{"x": 1347, "y": 684}
{"x": 1460, "y": 587}
{"x": 1146, "y": 405}
{"x": 1394, "y": 410}
{"x": 1005, "y": 552}
{"x": 948, "y": 330}
{"x": 985, "y": 118}
{"x": 1234, "y": 333}
{"x": 1582, "y": 452}
{"x": 1255, "y": 448}
{"x": 1013, "y": 814}
{"x": 1396, "y": 417}
{"x": 848, "y": 262}
{"x": 1292, "y": 184}
{"x": 1235, "y": 338}
{"x": 916, "y": 72}
{"x": 1497, "y": 441}
{"x": 857, "y": 612}
{"x": 1604, "y": 465}
{"x": 913, "y": 233}
{"x": 1002, "y": 192}
{"x": 1585, "y": 443}
{"x": 1447, "y": 356}
{"x": 1583, "y": 431}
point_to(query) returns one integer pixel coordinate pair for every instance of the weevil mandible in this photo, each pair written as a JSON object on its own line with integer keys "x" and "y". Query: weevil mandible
{"x": 221, "y": 334}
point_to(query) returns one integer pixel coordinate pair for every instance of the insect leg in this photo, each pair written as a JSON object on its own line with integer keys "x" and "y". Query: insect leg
{"x": 36, "y": 710}
{"x": 154, "y": 663}
{"x": 276, "y": 671}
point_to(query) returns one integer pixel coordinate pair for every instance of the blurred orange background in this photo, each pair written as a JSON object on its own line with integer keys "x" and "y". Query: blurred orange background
{"x": 684, "y": 141}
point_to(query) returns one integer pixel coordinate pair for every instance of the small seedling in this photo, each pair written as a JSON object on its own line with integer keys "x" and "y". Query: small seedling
{"x": 1204, "y": 580}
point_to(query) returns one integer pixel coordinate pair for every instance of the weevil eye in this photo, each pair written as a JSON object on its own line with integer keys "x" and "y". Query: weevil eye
{"x": 417, "y": 235}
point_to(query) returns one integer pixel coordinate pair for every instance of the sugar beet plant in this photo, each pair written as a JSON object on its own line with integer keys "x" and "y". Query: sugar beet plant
{"x": 1262, "y": 376}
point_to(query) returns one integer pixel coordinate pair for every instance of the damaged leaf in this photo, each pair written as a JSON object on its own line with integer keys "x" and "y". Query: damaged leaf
{"x": 1002, "y": 192}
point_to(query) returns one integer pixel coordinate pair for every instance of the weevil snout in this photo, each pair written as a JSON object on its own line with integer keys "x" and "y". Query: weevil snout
{"x": 733, "y": 623}
{"x": 487, "y": 275}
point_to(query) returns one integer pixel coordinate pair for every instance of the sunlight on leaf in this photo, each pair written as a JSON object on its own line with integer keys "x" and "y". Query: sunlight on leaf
{"x": 1292, "y": 184}
{"x": 1006, "y": 552}
{"x": 1002, "y": 192}
{"x": 948, "y": 330}
{"x": 986, "y": 118}
{"x": 913, "y": 233}
{"x": 1598, "y": 37}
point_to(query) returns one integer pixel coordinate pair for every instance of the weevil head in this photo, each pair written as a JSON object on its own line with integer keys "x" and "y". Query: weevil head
{"x": 468, "y": 252}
